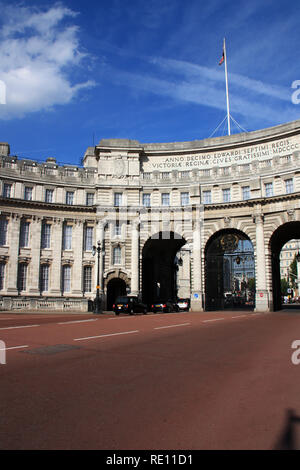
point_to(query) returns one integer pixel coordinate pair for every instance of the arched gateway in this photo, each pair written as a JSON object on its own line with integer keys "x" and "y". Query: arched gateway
{"x": 229, "y": 204}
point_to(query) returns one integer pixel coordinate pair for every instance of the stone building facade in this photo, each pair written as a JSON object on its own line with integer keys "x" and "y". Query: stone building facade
{"x": 164, "y": 214}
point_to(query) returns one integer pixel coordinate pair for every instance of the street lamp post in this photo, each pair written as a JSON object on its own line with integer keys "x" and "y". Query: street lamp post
{"x": 97, "y": 306}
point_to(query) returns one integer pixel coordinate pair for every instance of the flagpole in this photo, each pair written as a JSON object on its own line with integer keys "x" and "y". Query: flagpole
{"x": 226, "y": 80}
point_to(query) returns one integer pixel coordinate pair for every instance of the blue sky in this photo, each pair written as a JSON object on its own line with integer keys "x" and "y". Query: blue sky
{"x": 79, "y": 71}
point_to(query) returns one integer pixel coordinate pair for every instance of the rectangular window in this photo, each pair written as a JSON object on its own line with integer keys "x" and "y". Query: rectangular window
{"x": 87, "y": 279}
{"x": 49, "y": 195}
{"x": 289, "y": 186}
{"x": 70, "y": 198}
{"x": 88, "y": 238}
{"x": 269, "y": 189}
{"x": 66, "y": 279}
{"x": 89, "y": 199}
{"x": 44, "y": 278}
{"x": 67, "y": 237}
{"x": 117, "y": 255}
{"x": 226, "y": 195}
{"x": 2, "y": 274}
{"x": 165, "y": 199}
{"x": 165, "y": 175}
{"x": 46, "y": 235}
{"x": 24, "y": 234}
{"x": 6, "y": 190}
{"x": 246, "y": 192}
{"x": 184, "y": 199}
{"x": 3, "y": 231}
{"x": 146, "y": 200}
{"x": 117, "y": 199}
{"x": 22, "y": 276}
{"x": 117, "y": 228}
{"x": 28, "y": 193}
{"x": 206, "y": 197}
{"x": 184, "y": 174}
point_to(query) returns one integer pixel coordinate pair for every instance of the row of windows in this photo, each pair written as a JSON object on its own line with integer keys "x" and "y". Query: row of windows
{"x": 88, "y": 235}
{"x": 49, "y": 195}
{"x": 146, "y": 197}
{"x": 44, "y": 277}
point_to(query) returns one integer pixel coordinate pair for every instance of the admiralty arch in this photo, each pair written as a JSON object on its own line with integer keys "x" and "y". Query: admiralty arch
{"x": 196, "y": 220}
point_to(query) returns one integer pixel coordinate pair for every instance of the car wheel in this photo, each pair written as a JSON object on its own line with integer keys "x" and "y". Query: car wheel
{"x": 145, "y": 311}
{"x": 117, "y": 313}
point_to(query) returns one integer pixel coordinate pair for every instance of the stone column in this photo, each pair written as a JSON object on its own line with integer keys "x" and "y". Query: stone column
{"x": 100, "y": 238}
{"x": 77, "y": 247}
{"x": 197, "y": 294}
{"x": 13, "y": 242}
{"x": 35, "y": 235}
{"x": 135, "y": 258}
{"x": 262, "y": 295}
{"x": 56, "y": 245}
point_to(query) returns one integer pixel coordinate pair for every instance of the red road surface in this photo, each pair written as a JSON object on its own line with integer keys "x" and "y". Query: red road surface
{"x": 221, "y": 380}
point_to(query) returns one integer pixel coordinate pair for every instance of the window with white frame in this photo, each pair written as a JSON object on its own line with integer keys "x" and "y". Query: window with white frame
{"x": 268, "y": 189}
{"x": 206, "y": 197}
{"x": 70, "y": 198}
{"x": 49, "y": 195}
{"x": 117, "y": 255}
{"x": 146, "y": 200}
{"x": 246, "y": 192}
{"x": 89, "y": 199}
{"x": 165, "y": 199}
{"x": 3, "y": 231}
{"x": 289, "y": 186}
{"x": 87, "y": 279}
{"x": 28, "y": 193}
{"x": 117, "y": 199}
{"x": 6, "y": 190}
{"x": 66, "y": 278}
{"x": 226, "y": 195}
{"x": 67, "y": 237}
{"x": 2, "y": 274}
{"x": 46, "y": 235}
{"x": 88, "y": 238}
{"x": 22, "y": 276}
{"x": 184, "y": 198}
{"x": 44, "y": 278}
{"x": 24, "y": 234}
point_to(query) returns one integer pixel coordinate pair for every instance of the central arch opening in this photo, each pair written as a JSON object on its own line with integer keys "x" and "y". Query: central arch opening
{"x": 229, "y": 271}
{"x": 159, "y": 267}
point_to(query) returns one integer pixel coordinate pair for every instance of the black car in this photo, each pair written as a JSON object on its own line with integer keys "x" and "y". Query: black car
{"x": 129, "y": 304}
{"x": 164, "y": 306}
{"x": 183, "y": 304}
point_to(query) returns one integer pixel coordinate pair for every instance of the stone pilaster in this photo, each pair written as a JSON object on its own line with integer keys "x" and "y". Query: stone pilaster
{"x": 77, "y": 246}
{"x": 100, "y": 238}
{"x": 135, "y": 258}
{"x": 35, "y": 228}
{"x": 56, "y": 245}
{"x": 197, "y": 295}
{"x": 262, "y": 294}
{"x": 13, "y": 242}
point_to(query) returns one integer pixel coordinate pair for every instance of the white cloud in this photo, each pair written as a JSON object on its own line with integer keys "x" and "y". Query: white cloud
{"x": 38, "y": 53}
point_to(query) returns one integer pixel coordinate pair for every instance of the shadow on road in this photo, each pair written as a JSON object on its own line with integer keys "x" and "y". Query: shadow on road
{"x": 288, "y": 439}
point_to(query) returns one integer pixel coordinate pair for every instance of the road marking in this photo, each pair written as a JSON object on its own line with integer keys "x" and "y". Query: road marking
{"x": 171, "y": 326}
{"x": 14, "y": 327}
{"x": 15, "y": 347}
{"x": 76, "y": 321}
{"x": 213, "y": 319}
{"x": 103, "y": 336}
{"x": 239, "y": 316}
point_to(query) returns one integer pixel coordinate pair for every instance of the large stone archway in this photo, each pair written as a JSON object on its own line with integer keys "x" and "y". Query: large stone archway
{"x": 284, "y": 233}
{"x": 229, "y": 271}
{"x": 159, "y": 266}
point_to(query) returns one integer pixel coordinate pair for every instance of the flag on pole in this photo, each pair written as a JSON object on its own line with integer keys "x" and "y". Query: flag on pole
{"x": 222, "y": 58}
